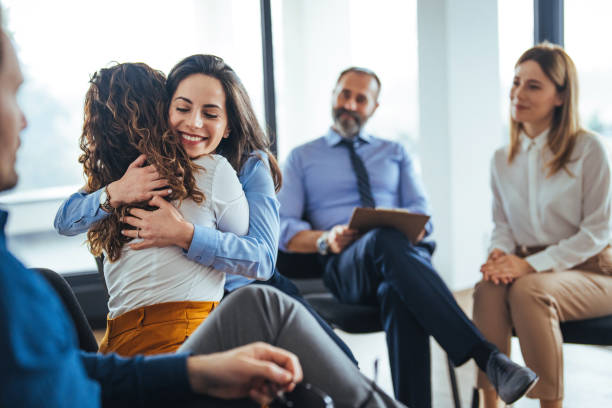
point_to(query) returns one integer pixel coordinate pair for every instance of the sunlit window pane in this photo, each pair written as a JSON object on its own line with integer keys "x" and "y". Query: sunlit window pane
{"x": 62, "y": 42}
{"x": 587, "y": 41}
{"x": 515, "y": 36}
{"x": 314, "y": 40}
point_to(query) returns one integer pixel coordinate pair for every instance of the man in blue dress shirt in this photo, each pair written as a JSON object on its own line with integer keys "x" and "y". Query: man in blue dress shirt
{"x": 346, "y": 168}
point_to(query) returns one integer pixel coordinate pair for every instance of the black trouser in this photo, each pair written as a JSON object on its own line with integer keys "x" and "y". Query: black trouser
{"x": 383, "y": 268}
{"x": 87, "y": 340}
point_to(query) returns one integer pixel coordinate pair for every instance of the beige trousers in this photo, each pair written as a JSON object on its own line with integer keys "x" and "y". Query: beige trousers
{"x": 534, "y": 305}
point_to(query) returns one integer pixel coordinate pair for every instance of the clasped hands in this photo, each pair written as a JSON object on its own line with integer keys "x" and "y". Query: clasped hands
{"x": 503, "y": 268}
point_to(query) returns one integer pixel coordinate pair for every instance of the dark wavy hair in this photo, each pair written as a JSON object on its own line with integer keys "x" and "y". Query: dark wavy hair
{"x": 246, "y": 135}
{"x": 126, "y": 115}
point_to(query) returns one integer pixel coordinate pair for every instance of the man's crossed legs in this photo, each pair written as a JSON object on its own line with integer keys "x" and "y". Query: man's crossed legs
{"x": 383, "y": 268}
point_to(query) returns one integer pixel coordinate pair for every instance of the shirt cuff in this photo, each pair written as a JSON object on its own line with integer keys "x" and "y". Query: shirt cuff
{"x": 166, "y": 375}
{"x": 540, "y": 261}
{"x": 95, "y": 203}
{"x": 203, "y": 245}
{"x": 290, "y": 229}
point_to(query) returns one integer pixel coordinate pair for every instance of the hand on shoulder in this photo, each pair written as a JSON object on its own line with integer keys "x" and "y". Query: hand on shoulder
{"x": 137, "y": 184}
{"x": 158, "y": 228}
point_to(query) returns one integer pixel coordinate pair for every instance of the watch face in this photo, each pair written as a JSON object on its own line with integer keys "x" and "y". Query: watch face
{"x": 322, "y": 245}
{"x": 103, "y": 197}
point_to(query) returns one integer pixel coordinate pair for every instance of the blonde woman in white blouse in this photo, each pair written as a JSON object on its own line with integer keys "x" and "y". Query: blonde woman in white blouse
{"x": 549, "y": 259}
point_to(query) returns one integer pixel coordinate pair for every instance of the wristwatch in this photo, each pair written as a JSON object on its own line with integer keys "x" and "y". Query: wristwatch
{"x": 323, "y": 244}
{"x": 105, "y": 201}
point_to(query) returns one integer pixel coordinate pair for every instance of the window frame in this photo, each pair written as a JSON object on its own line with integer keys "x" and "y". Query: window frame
{"x": 548, "y": 21}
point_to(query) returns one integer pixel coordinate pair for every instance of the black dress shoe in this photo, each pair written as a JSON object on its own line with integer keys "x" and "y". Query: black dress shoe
{"x": 511, "y": 381}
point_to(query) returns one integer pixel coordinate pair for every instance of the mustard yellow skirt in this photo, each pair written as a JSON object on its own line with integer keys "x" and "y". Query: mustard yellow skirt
{"x": 154, "y": 329}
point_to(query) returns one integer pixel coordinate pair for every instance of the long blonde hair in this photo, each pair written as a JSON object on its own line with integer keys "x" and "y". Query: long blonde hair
{"x": 565, "y": 127}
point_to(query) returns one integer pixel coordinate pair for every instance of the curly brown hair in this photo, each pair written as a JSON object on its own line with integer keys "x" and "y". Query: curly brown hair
{"x": 126, "y": 115}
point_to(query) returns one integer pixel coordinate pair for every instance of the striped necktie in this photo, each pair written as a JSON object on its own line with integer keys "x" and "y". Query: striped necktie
{"x": 363, "y": 181}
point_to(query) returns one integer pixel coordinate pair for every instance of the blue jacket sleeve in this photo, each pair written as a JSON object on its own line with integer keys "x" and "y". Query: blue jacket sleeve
{"x": 79, "y": 212}
{"x": 40, "y": 365}
{"x": 252, "y": 255}
{"x": 139, "y": 381}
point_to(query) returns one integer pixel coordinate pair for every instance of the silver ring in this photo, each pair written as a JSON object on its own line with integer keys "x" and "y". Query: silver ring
{"x": 138, "y": 233}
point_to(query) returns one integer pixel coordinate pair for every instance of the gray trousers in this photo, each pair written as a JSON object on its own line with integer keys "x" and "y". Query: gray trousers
{"x": 257, "y": 313}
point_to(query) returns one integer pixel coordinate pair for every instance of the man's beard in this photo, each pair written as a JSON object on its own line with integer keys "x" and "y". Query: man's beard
{"x": 347, "y": 127}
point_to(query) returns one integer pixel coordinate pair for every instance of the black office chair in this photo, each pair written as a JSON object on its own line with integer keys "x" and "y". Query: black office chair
{"x": 588, "y": 332}
{"x": 591, "y": 332}
{"x": 85, "y": 336}
{"x": 305, "y": 271}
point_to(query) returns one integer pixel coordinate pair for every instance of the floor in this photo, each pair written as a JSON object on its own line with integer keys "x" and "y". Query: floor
{"x": 588, "y": 370}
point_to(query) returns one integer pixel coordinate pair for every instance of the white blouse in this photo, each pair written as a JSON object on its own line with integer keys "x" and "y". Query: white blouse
{"x": 158, "y": 275}
{"x": 569, "y": 213}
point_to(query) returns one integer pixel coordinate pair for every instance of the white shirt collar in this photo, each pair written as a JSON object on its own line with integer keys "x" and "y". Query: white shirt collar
{"x": 537, "y": 142}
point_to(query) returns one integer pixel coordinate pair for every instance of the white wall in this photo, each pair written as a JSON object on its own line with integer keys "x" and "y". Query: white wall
{"x": 460, "y": 127}
{"x": 302, "y": 42}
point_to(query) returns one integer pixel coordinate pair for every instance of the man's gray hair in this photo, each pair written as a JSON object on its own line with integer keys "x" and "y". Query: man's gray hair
{"x": 361, "y": 70}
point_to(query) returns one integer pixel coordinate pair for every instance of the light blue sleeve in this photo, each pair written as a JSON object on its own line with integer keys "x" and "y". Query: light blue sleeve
{"x": 79, "y": 212}
{"x": 253, "y": 255}
{"x": 412, "y": 192}
{"x": 292, "y": 197}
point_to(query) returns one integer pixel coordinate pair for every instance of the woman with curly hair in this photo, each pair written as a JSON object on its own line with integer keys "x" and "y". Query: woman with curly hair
{"x": 245, "y": 259}
{"x": 158, "y": 297}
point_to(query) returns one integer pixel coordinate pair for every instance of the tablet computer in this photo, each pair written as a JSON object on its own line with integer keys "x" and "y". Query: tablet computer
{"x": 411, "y": 224}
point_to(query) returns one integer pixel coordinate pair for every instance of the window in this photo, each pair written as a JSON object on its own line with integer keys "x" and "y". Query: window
{"x": 587, "y": 29}
{"x": 60, "y": 44}
{"x": 314, "y": 40}
{"x": 515, "y": 18}
{"x": 64, "y": 42}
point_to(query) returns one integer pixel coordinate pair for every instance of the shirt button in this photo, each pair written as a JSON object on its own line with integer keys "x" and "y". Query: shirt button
{"x": 198, "y": 258}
